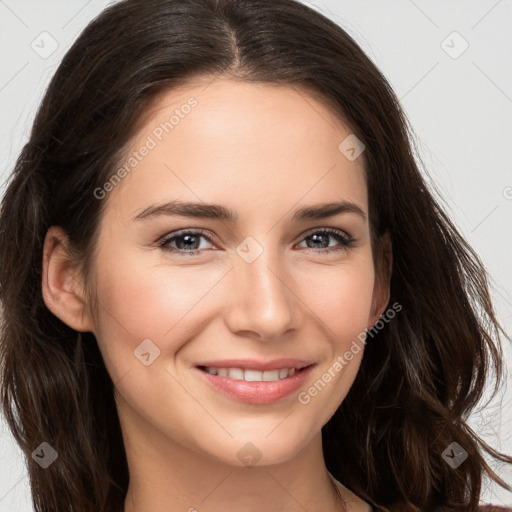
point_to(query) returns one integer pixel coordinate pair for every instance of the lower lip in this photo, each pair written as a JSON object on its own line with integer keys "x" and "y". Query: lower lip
{"x": 259, "y": 392}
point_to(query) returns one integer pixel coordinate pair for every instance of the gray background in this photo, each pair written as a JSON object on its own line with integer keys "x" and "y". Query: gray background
{"x": 459, "y": 103}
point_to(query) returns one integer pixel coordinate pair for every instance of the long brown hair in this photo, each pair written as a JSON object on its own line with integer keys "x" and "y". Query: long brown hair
{"x": 422, "y": 373}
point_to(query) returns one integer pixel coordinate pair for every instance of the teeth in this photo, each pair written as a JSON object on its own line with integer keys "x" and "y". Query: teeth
{"x": 270, "y": 375}
{"x": 252, "y": 375}
{"x": 236, "y": 373}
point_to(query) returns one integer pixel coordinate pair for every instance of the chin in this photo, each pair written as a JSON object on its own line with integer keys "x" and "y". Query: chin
{"x": 266, "y": 447}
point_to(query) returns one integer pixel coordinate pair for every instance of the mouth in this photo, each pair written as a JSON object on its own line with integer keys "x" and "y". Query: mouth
{"x": 255, "y": 386}
{"x": 252, "y": 375}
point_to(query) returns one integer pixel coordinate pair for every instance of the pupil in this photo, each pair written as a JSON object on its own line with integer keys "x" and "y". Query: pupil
{"x": 188, "y": 237}
{"x": 316, "y": 241}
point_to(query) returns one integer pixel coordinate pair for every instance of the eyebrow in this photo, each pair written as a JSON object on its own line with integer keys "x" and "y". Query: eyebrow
{"x": 215, "y": 211}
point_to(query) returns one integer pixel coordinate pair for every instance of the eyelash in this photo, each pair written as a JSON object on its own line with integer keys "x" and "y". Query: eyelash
{"x": 345, "y": 240}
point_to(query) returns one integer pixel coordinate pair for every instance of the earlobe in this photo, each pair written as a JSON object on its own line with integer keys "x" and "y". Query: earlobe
{"x": 62, "y": 287}
{"x": 381, "y": 289}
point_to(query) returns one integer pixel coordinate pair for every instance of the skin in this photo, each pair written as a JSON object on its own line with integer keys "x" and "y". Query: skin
{"x": 263, "y": 151}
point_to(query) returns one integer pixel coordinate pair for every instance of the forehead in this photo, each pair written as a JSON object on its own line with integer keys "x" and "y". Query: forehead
{"x": 231, "y": 142}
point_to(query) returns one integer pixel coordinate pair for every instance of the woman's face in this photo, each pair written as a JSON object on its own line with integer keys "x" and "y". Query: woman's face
{"x": 264, "y": 285}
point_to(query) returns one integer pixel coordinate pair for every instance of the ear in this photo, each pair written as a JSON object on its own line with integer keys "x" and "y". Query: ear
{"x": 381, "y": 287}
{"x": 62, "y": 287}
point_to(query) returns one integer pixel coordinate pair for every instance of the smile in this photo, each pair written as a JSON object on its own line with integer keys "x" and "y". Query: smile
{"x": 251, "y": 375}
{"x": 254, "y": 386}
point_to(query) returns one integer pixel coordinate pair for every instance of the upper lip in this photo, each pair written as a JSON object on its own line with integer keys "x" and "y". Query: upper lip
{"x": 254, "y": 364}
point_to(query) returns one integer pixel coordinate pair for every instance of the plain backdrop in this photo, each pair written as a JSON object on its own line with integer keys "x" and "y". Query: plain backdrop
{"x": 448, "y": 62}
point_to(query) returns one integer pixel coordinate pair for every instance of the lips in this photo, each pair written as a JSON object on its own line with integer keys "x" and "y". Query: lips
{"x": 255, "y": 390}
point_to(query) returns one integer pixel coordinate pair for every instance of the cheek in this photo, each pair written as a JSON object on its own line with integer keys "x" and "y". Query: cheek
{"x": 138, "y": 301}
{"x": 342, "y": 298}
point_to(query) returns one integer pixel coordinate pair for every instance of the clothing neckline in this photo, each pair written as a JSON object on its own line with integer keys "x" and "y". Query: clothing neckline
{"x": 338, "y": 484}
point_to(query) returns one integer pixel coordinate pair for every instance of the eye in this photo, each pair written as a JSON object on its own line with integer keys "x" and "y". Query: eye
{"x": 189, "y": 241}
{"x": 319, "y": 236}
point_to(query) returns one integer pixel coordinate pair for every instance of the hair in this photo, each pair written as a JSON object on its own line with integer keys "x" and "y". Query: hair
{"x": 422, "y": 373}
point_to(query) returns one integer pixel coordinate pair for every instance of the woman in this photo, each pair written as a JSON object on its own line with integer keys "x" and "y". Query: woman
{"x": 314, "y": 339}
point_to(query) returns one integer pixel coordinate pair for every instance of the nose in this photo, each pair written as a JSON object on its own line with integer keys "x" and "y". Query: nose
{"x": 261, "y": 300}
